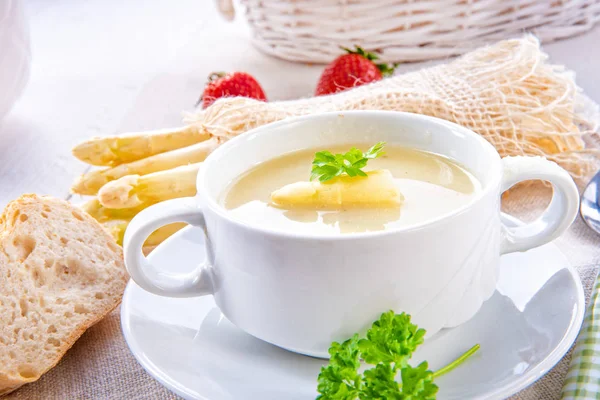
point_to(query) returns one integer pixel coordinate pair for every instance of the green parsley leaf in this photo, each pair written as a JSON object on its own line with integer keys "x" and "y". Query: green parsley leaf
{"x": 391, "y": 339}
{"x": 389, "y": 344}
{"x": 380, "y": 383}
{"x": 323, "y": 157}
{"x": 417, "y": 383}
{"x": 340, "y": 379}
{"x": 375, "y": 151}
{"x": 360, "y": 163}
{"x": 327, "y": 166}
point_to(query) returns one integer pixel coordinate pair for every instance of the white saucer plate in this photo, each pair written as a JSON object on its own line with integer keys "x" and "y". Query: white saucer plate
{"x": 524, "y": 330}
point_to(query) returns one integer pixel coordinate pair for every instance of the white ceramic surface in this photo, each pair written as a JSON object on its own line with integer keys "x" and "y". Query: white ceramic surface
{"x": 303, "y": 291}
{"x": 191, "y": 348}
{"x": 15, "y": 53}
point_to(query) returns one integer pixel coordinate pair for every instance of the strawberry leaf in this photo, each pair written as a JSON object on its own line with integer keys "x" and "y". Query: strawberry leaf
{"x": 386, "y": 69}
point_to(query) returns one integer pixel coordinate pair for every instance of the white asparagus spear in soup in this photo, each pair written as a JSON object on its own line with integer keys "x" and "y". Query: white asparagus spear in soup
{"x": 377, "y": 189}
{"x": 115, "y": 150}
{"x": 134, "y": 190}
{"x": 91, "y": 182}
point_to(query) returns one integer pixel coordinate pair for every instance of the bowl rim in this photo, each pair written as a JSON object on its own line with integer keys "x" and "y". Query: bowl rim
{"x": 207, "y": 201}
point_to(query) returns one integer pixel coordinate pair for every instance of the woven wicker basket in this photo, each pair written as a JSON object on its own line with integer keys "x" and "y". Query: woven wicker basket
{"x": 405, "y": 30}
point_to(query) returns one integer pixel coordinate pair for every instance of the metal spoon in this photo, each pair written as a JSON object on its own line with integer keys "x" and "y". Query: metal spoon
{"x": 590, "y": 205}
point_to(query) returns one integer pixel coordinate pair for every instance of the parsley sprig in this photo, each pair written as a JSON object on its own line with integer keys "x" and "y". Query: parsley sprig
{"x": 389, "y": 345}
{"x": 327, "y": 166}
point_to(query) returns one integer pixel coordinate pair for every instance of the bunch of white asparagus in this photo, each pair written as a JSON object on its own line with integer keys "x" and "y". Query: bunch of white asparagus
{"x": 140, "y": 169}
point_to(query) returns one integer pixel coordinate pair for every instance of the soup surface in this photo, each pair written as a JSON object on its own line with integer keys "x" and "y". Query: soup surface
{"x": 432, "y": 185}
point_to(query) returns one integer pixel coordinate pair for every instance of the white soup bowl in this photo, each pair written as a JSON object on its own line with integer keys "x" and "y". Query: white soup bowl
{"x": 303, "y": 291}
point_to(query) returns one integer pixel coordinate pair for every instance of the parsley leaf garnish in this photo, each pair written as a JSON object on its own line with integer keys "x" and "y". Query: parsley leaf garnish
{"x": 380, "y": 383}
{"x": 327, "y": 165}
{"x": 340, "y": 379}
{"x": 391, "y": 339}
{"x": 417, "y": 383}
{"x": 388, "y": 345}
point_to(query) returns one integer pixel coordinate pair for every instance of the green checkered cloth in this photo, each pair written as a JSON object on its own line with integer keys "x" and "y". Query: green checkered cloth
{"x": 583, "y": 379}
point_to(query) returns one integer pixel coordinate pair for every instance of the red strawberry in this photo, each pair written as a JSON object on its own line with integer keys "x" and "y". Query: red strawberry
{"x": 234, "y": 84}
{"x": 353, "y": 69}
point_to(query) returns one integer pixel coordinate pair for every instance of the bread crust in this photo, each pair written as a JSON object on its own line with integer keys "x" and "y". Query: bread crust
{"x": 11, "y": 222}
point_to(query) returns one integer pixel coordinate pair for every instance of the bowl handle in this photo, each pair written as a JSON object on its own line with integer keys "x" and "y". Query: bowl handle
{"x": 153, "y": 278}
{"x": 559, "y": 214}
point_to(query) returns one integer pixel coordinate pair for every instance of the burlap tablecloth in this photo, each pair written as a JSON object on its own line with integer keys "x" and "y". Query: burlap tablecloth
{"x": 100, "y": 366}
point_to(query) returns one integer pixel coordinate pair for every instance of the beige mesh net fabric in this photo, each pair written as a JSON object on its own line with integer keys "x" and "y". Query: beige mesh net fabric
{"x": 507, "y": 92}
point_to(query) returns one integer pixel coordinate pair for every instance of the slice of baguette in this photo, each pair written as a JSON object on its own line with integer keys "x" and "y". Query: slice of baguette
{"x": 60, "y": 273}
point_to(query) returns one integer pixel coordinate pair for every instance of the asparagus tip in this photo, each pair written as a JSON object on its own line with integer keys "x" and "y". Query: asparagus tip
{"x": 117, "y": 193}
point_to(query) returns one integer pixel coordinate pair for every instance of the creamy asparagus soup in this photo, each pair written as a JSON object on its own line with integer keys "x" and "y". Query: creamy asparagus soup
{"x": 349, "y": 190}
